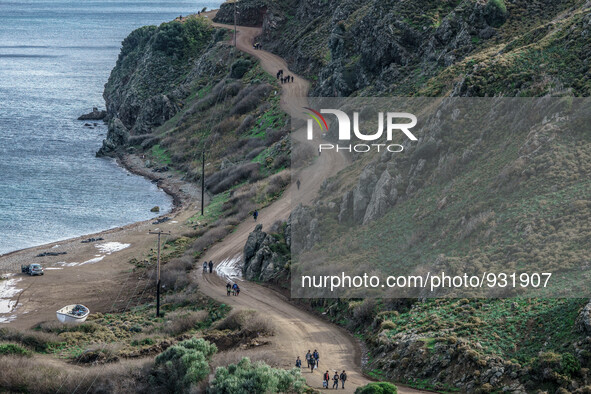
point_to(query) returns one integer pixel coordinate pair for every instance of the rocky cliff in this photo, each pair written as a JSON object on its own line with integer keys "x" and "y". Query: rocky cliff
{"x": 155, "y": 71}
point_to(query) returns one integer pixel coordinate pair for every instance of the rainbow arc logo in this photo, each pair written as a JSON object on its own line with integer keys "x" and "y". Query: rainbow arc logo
{"x": 318, "y": 118}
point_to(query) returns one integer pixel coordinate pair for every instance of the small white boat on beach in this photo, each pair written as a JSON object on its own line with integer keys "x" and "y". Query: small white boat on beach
{"x": 73, "y": 314}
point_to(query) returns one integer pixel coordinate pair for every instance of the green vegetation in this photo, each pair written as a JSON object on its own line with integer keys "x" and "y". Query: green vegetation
{"x": 182, "y": 366}
{"x": 497, "y": 325}
{"x": 13, "y": 349}
{"x": 246, "y": 377}
{"x": 377, "y": 388}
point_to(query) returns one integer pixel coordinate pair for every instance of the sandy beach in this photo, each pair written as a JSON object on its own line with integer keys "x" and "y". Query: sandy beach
{"x": 97, "y": 274}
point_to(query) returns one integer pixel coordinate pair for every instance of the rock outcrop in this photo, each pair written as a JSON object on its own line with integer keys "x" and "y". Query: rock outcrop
{"x": 583, "y": 322}
{"x": 94, "y": 115}
{"x": 248, "y": 13}
{"x": 262, "y": 259}
{"x": 117, "y": 137}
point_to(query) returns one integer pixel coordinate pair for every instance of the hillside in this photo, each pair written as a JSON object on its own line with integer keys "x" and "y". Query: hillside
{"x": 517, "y": 199}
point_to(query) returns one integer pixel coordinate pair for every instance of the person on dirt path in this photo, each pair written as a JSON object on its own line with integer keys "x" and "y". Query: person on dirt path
{"x": 292, "y": 78}
{"x": 255, "y": 215}
{"x": 325, "y": 379}
{"x": 343, "y": 378}
{"x": 312, "y": 364}
{"x": 234, "y": 288}
{"x": 298, "y": 362}
{"x": 237, "y": 290}
{"x": 205, "y": 267}
{"x": 228, "y": 288}
{"x": 298, "y": 184}
{"x": 316, "y": 357}
{"x": 210, "y": 266}
{"x": 308, "y": 357}
{"x": 335, "y": 380}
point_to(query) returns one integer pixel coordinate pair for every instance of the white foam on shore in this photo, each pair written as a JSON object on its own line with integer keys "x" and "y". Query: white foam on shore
{"x": 111, "y": 247}
{"x": 106, "y": 248}
{"x": 64, "y": 264}
{"x": 7, "y": 292}
{"x": 230, "y": 268}
{"x": 92, "y": 261}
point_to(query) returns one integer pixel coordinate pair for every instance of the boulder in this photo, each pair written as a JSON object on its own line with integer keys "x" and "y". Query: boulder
{"x": 94, "y": 115}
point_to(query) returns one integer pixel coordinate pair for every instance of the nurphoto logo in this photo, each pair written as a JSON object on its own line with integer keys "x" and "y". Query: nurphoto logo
{"x": 393, "y": 124}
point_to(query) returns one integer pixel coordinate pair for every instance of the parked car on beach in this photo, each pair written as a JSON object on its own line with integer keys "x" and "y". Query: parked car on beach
{"x": 32, "y": 269}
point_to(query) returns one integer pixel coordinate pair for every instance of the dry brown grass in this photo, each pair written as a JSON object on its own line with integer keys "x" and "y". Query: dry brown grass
{"x": 183, "y": 321}
{"x": 34, "y": 340}
{"x": 39, "y": 375}
{"x": 255, "y": 354}
{"x": 248, "y": 322}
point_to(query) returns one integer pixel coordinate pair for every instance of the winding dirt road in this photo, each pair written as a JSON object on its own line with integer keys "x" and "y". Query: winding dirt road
{"x": 296, "y": 330}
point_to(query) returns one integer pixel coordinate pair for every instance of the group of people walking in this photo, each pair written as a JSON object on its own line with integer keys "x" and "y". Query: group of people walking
{"x": 257, "y": 45}
{"x": 335, "y": 379}
{"x": 313, "y": 359}
{"x": 207, "y": 265}
{"x": 284, "y": 79}
{"x": 232, "y": 289}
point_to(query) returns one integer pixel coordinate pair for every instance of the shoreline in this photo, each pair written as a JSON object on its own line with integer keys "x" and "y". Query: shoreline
{"x": 178, "y": 200}
{"x": 86, "y": 273}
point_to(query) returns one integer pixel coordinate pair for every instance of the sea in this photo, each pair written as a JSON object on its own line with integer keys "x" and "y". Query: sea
{"x": 55, "y": 57}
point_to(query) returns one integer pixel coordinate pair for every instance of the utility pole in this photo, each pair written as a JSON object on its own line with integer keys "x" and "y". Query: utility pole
{"x": 202, "y": 182}
{"x": 235, "y": 1}
{"x": 159, "y": 233}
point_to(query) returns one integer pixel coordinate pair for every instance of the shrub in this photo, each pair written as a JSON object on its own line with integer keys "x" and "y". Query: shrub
{"x": 239, "y": 68}
{"x": 388, "y": 325}
{"x": 182, "y": 366}
{"x": 246, "y": 377}
{"x": 495, "y": 12}
{"x": 364, "y": 312}
{"x": 14, "y": 349}
{"x": 377, "y": 388}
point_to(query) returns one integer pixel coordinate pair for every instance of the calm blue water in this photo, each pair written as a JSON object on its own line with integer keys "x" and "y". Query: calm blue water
{"x": 55, "y": 57}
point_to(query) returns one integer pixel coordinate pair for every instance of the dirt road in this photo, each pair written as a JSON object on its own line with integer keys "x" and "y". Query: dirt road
{"x": 297, "y": 330}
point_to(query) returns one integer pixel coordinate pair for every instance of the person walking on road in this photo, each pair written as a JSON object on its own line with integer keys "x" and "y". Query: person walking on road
{"x": 228, "y": 288}
{"x": 312, "y": 364}
{"x": 210, "y": 266}
{"x": 308, "y": 357}
{"x": 325, "y": 379}
{"x": 292, "y": 78}
{"x": 335, "y": 380}
{"x": 234, "y": 288}
{"x": 298, "y": 184}
{"x": 255, "y": 215}
{"x": 343, "y": 378}
{"x": 237, "y": 290}
{"x": 204, "y": 267}
{"x": 298, "y": 362}
{"x": 316, "y": 357}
